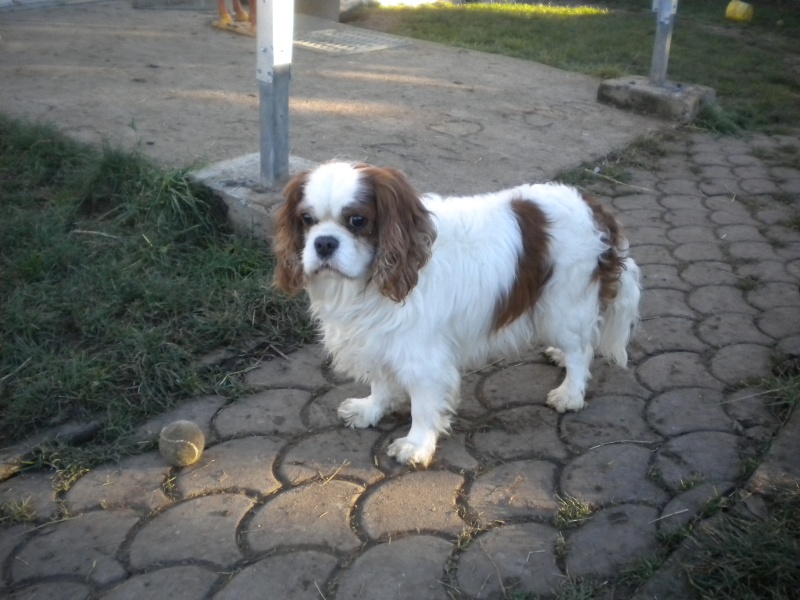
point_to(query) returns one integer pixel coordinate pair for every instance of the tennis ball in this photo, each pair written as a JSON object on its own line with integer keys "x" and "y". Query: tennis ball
{"x": 181, "y": 443}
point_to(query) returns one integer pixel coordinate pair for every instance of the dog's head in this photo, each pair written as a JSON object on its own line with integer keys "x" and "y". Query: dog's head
{"x": 353, "y": 221}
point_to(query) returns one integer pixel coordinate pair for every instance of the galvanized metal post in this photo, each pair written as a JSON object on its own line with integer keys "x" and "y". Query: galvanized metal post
{"x": 275, "y": 22}
{"x": 665, "y": 20}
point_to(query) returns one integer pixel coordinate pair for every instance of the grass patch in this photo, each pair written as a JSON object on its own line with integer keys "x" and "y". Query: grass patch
{"x": 754, "y": 68}
{"x": 741, "y": 558}
{"x": 117, "y": 276}
{"x": 16, "y": 512}
{"x": 572, "y": 512}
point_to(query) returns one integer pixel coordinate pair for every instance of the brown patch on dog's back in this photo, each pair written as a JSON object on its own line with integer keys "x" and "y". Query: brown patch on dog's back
{"x": 611, "y": 262}
{"x": 533, "y": 266}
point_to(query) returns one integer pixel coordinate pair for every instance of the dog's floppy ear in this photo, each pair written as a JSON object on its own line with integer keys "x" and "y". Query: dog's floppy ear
{"x": 405, "y": 232}
{"x": 288, "y": 240}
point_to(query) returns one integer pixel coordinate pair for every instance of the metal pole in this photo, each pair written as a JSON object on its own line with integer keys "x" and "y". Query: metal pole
{"x": 275, "y": 23}
{"x": 665, "y": 20}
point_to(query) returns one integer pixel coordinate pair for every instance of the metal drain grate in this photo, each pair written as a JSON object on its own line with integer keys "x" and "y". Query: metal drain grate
{"x": 339, "y": 41}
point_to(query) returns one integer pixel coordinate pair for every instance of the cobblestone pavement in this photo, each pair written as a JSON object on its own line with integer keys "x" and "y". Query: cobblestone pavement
{"x": 286, "y": 503}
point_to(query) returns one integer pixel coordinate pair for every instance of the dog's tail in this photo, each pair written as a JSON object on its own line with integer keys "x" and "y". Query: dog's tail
{"x": 621, "y": 315}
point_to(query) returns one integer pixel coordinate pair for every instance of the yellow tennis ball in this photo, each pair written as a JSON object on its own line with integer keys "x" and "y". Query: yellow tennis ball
{"x": 181, "y": 443}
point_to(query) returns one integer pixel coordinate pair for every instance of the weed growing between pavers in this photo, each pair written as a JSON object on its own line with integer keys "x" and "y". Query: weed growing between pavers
{"x": 15, "y": 512}
{"x": 117, "y": 277}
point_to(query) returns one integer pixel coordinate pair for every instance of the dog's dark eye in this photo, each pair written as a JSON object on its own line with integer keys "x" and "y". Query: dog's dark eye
{"x": 307, "y": 219}
{"x": 357, "y": 221}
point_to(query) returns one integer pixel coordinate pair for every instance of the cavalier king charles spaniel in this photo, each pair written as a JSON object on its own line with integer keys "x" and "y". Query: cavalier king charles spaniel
{"x": 411, "y": 290}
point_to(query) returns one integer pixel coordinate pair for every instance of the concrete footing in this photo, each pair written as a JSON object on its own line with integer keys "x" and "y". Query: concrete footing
{"x": 675, "y": 101}
{"x": 238, "y": 183}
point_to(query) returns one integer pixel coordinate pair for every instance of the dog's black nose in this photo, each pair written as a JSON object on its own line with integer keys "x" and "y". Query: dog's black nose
{"x": 325, "y": 245}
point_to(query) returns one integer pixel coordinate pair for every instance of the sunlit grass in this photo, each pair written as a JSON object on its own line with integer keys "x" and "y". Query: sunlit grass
{"x": 513, "y": 9}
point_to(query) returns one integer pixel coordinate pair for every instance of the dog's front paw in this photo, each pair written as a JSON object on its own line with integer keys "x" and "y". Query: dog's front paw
{"x": 407, "y": 452}
{"x": 360, "y": 413}
{"x": 562, "y": 400}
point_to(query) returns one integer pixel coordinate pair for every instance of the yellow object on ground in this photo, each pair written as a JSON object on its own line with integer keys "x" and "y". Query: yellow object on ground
{"x": 739, "y": 11}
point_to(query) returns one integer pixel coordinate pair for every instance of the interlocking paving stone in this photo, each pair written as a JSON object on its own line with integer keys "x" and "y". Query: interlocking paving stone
{"x": 644, "y": 217}
{"x": 181, "y": 583}
{"x": 410, "y": 568}
{"x": 623, "y": 476}
{"x": 93, "y": 540}
{"x": 694, "y": 251}
{"x": 688, "y": 409}
{"x": 675, "y": 369}
{"x": 241, "y": 464}
{"x": 662, "y": 334}
{"x": 62, "y": 590}
{"x": 731, "y": 328}
{"x": 303, "y": 370}
{"x": 647, "y": 254}
{"x": 521, "y": 384}
{"x": 715, "y": 299}
{"x": 739, "y": 233}
{"x": 607, "y": 419}
{"x": 632, "y": 528}
{"x": 451, "y": 450}
{"x": 417, "y": 501}
{"x": 703, "y": 456}
{"x": 509, "y": 559}
{"x": 752, "y": 251}
{"x": 687, "y": 505}
{"x": 686, "y": 216}
{"x": 680, "y": 202}
{"x": 779, "y": 322}
{"x": 317, "y": 513}
{"x": 268, "y": 412}
{"x": 525, "y": 432}
{"x": 709, "y": 273}
{"x": 666, "y": 303}
{"x": 767, "y": 270}
{"x": 740, "y": 362}
{"x": 11, "y": 538}
{"x": 135, "y": 482}
{"x": 514, "y": 489}
{"x": 343, "y": 452}
{"x": 773, "y": 295}
{"x": 663, "y": 276}
{"x": 296, "y": 576}
{"x": 201, "y": 529}
{"x": 688, "y": 234}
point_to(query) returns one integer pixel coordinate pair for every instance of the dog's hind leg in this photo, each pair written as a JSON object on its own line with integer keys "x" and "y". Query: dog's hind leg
{"x": 577, "y": 358}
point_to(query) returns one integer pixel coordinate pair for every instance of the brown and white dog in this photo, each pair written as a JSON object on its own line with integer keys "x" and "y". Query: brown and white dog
{"x": 410, "y": 290}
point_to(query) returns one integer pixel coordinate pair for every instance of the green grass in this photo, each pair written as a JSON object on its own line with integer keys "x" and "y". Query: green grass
{"x": 116, "y": 276}
{"x": 751, "y": 559}
{"x": 755, "y": 68}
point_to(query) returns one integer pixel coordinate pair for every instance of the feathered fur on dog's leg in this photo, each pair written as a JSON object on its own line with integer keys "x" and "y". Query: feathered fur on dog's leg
{"x": 433, "y": 391}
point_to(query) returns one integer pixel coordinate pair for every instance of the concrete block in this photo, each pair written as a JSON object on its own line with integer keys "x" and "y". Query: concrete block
{"x": 674, "y": 101}
{"x": 237, "y": 182}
